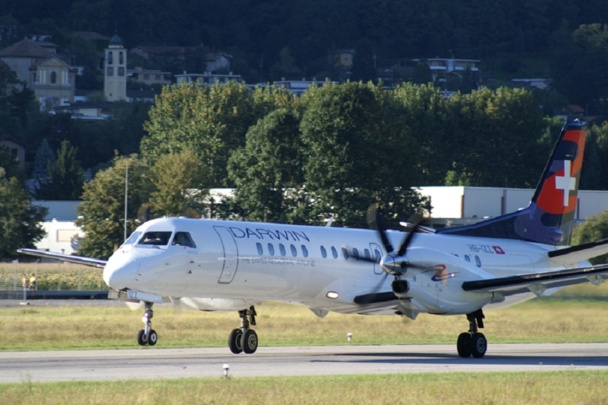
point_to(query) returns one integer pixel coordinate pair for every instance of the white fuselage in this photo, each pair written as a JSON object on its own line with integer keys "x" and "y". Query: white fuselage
{"x": 230, "y": 265}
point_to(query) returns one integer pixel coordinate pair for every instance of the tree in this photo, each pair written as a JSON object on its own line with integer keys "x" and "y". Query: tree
{"x": 495, "y": 139}
{"x": 9, "y": 163}
{"x": 593, "y": 229}
{"x": 583, "y": 55}
{"x": 179, "y": 182}
{"x": 353, "y": 135}
{"x": 20, "y": 222}
{"x": 364, "y": 63}
{"x": 212, "y": 121}
{"x": 268, "y": 166}
{"x": 9, "y": 122}
{"x": 426, "y": 115}
{"x": 65, "y": 176}
{"x": 44, "y": 158}
{"x": 285, "y": 67}
{"x": 102, "y": 212}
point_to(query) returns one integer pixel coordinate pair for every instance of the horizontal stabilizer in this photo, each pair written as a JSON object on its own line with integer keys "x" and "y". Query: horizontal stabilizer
{"x": 85, "y": 261}
{"x": 579, "y": 253}
{"x": 539, "y": 281}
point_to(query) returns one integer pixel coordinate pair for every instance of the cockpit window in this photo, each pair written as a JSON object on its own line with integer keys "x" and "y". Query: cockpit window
{"x": 155, "y": 238}
{"x": 183, "y": 239}
{"x": 133, "y": 238}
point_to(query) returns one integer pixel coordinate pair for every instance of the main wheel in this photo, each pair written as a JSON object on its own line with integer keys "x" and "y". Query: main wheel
{"x": 479, "y": 345}
{"x": 152, "y": 338}
{"x": 464, "y": 345}
{"x": 250, "y": 341}
{"x": 235, "y": 341}
{"x": 141, "y": 338}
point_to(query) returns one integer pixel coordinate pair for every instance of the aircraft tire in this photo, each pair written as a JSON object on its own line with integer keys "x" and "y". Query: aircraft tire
{"x": 235, "y": 341}
{"x": 464, "y": 345}
{"x": 250, "y": 341}
{"x": 479, "y": 345}
{"x": 152, "y": 338}
{"x": 141, "y": 337}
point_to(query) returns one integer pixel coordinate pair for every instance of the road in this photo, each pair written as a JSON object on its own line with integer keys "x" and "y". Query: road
{"x": 150, "y": 363}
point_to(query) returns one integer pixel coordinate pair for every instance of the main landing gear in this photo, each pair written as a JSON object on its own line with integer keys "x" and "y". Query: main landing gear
{"x": 473, "y": 343}
{"x": 244, "y": 339}
{"x": 147, "y": 336}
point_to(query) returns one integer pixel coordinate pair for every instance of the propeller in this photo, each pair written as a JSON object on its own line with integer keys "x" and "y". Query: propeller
{"x": 393, "y": 264}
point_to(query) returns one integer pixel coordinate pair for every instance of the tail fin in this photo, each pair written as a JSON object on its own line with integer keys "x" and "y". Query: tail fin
{"x": 549, "y": 218}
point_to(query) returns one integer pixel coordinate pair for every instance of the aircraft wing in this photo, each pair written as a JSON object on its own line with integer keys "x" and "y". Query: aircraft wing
{"x": 579, "y": 253}
{"x": 86, "y": 261}
{"x": 538, "y": 282}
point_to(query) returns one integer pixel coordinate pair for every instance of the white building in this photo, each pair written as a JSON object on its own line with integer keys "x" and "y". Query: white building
{"x": 62, "y": 234}
{"x": 462, "y": 205}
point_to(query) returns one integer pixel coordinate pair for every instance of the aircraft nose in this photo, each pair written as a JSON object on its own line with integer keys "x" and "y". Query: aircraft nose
{"x": 120, "y": 272}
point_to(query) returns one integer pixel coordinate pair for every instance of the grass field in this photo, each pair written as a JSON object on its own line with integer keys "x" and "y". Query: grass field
{"x": 52, "y": 276}
{"x": 113, "y": 325}
{"x": 454, "y": 388}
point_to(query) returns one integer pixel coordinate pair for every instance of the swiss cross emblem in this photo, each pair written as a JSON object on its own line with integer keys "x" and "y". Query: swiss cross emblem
{"x": 566, "y": 183}
{"x": 498, "y": 250}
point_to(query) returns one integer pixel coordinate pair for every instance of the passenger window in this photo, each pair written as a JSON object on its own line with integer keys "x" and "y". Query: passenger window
{"x": 294, "y": 251}
{"x": 304, "y": 251}
{"x": 367, "y": 254}
{"x": 477, "y": 261}
{"x": 355, "y": 253}
{"x": 467, "y": 258}
{"x": 377, "y": 255}
{"x": 282, "y": 249}
{"x": 260, "y": 248}
{"x": 323, "y": 252}
{"x": 156, "y": 238}
{"x": 271, "y": 249}
{"x": 183, "y": 239}
{"x": 334, "y": 252}
{"x": 345, "y": 253}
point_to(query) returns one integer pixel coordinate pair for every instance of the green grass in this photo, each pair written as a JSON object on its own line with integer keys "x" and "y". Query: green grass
{"x": 52, "y": 276}
{"x": 443, "y": 388}
{"x": 113, "y": 325}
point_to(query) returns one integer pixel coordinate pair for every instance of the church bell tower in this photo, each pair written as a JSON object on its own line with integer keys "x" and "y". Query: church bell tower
{"x": 115, "y": 70}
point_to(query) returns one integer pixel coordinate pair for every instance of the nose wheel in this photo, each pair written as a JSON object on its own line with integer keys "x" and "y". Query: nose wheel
{"x": 244, "y": 339}
{"x": 147, "y": 335}
{"x": 473, "y": 343}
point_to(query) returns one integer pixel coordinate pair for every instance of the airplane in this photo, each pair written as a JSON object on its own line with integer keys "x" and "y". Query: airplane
{"x": 219, "y": 265}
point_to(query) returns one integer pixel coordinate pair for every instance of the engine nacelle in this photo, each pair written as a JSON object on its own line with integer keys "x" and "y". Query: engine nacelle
{"x": 433, "y": 283}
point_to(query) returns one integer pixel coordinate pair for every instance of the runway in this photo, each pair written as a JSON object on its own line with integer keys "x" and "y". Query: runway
{"x": 152, "y": 363}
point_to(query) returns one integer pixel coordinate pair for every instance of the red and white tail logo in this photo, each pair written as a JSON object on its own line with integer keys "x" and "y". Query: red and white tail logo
{"x": 559, "y": 191}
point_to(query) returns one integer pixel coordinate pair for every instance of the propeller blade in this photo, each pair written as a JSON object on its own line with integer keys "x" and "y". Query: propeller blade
{"x": 374, "y": 221}
{"x": 417, "y": 221}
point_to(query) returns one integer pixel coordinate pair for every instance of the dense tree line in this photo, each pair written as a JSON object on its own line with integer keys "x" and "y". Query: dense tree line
{"x": 414, "y": 28}
{"x": 327, "y": 154}
{"x": 271, "y": 38}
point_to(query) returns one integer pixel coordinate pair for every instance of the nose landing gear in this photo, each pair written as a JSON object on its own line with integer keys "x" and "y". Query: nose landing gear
{"x": 147, "y": 335}
{"x": 244, "y": 339}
